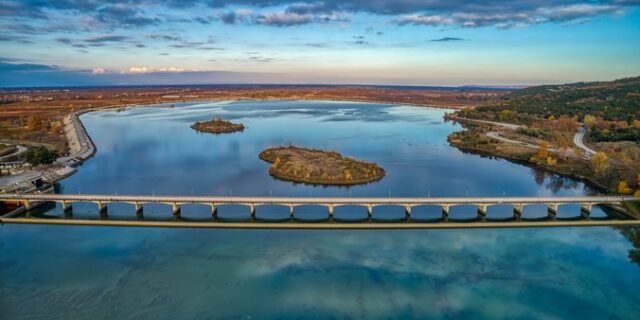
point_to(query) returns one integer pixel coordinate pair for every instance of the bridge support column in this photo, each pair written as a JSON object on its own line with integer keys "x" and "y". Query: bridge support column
{"x": 291, "y": 217}
{"x": 214, "y": 212}
{"x": 518, "y": 208}
{"x": 407, "y": 212}
{"x": 585, "y": 210}
{"x": 552, "y": 210}
{"x": 102, "y": 207}
{"x": 139, "y": 209}
{"x": 66, "y": 206}
{"x": 482, "y": 211}
{"x": 252, "y": 211}
{"x": 330, "y": 209}
{"x": 445, "y": 212}
{"x": 175, "y": 210}
{"x": 369, "y": 212}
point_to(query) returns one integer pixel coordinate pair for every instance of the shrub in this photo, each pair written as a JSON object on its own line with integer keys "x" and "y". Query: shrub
{"x": 40, "y": 155}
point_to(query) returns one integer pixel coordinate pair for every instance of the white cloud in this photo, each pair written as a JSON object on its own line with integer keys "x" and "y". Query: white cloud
{"x": 151, "y": 69}
{"x": 98, "y": 71}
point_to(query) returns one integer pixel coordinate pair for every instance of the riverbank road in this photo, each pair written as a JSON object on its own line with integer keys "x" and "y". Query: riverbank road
{"x": 578, "y": 141}
{"x": 19, "y": 150}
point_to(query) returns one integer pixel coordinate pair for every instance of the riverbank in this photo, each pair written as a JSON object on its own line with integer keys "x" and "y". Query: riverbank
{"x": 478, "y": 140}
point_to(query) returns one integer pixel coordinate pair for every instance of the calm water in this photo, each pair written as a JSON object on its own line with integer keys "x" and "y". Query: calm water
{"x": 105, "y": 273}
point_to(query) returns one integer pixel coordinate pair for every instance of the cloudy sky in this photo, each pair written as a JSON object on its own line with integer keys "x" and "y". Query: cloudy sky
{"x": 421, "y": 42}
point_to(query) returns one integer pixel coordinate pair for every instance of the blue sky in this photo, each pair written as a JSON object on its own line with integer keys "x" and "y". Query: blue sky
{"x": 415, "y": 42}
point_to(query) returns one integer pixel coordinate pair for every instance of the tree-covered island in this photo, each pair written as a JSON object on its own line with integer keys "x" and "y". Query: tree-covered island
{"x": 321, "y": 167}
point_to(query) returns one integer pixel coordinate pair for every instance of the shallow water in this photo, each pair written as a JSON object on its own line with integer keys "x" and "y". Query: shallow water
{"x": 98, "y": 272}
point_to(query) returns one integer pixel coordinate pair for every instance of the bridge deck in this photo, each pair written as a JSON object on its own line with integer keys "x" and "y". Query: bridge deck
{"x": 314, "y": 200}
{"x": 29, "y": 201}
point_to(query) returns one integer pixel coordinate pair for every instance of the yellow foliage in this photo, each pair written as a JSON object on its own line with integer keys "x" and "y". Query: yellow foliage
{"x": 600, "y": 162}
{"x": 551, "y": 161}
{"x": 623, "y": 187}
{"x": 637, "y": 194}
{"x": 590, "y": 120}
{"x": 34, "y": 123}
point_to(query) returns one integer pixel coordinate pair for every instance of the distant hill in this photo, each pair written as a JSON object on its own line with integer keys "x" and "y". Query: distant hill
{"x": 612, "y": 100}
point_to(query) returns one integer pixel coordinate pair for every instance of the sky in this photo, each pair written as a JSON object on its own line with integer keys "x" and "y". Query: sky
{"x": 399, "y": 42}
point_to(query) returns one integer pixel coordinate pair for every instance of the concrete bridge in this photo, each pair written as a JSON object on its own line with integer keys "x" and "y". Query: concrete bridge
{"x": 30, "y": 201}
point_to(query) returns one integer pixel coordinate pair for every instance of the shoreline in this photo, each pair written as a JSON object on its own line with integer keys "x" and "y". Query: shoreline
{"x": 80, "y": 131}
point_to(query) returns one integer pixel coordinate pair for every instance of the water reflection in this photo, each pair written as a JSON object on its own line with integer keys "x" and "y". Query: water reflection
{"x": 106, "y": 273}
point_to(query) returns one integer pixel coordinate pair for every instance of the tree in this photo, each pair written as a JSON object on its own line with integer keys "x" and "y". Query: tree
{"x": 637, "y": 194}
{"x": 600, "y": 162}
{"x": 40, "y": 155}
{"x": 623, "y": 187}
{"x": 562, "y": 141}
{"x": 542, "y": 154}
{"x": 505, "y": 115}
{"x": 636, "y": 124}
{"x": 34, "y": 123}
{"x": 590, "y": 120}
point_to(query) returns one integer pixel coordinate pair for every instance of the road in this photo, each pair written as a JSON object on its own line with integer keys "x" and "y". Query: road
{"x": 326, "y": 201}
{"x": 21, "y": 149}
{"x": 510, "y": 126}
{"x": 578, "y": 141}
{"x": 578, "y": 138}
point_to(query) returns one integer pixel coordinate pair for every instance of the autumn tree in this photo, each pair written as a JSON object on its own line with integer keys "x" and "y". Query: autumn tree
{"x": 623, "y": 187}
{"x": 34, "y": 123}
{"x": 590, "y": 120}
{"x": 600, "y": 162}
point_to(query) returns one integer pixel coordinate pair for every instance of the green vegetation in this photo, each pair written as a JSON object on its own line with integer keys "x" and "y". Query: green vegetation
{"x": 613, "y": 101}
{"x": 217, "y": 125}
{"x": 551, "y": 116}
{"x": 615, "y": 134}
{"x": 6, "y": 149}
{"x": 315, "y": 166}
{"x": 40, "y": 155}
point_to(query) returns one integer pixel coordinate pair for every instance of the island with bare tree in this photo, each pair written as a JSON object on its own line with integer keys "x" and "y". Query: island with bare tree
{"x": 217, "y": 125}
{"x": 314, "y": 166}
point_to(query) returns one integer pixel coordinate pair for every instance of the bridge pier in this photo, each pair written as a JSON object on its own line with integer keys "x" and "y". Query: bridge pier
{"x": 138, "y": 207}
{"x": 175, "y": 210}
{"x": 585, "y": 210}
{"x": 369, "y": 212}
{"x": 66, "y": 206}
{"x": 330, "y": 209}
{"x": 407, "y": 212}
{"x": 445, "y": 212}
{"x": 552, "y": 210}
{"x": 482, "y": 211}
{"x": 214, "y": 211}
{"x": 252, "y": 212}
{"x": 518, "y": 208}
{"x": 291, "y": 217}
{"x": 102, "y": 207}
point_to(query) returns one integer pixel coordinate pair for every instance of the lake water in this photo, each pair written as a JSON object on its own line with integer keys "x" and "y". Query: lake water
{"x": 149, "y": 273}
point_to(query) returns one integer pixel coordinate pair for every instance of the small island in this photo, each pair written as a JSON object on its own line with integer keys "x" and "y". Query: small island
{"x": 321, "y": 167}
{"x": 217, "y": 126}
